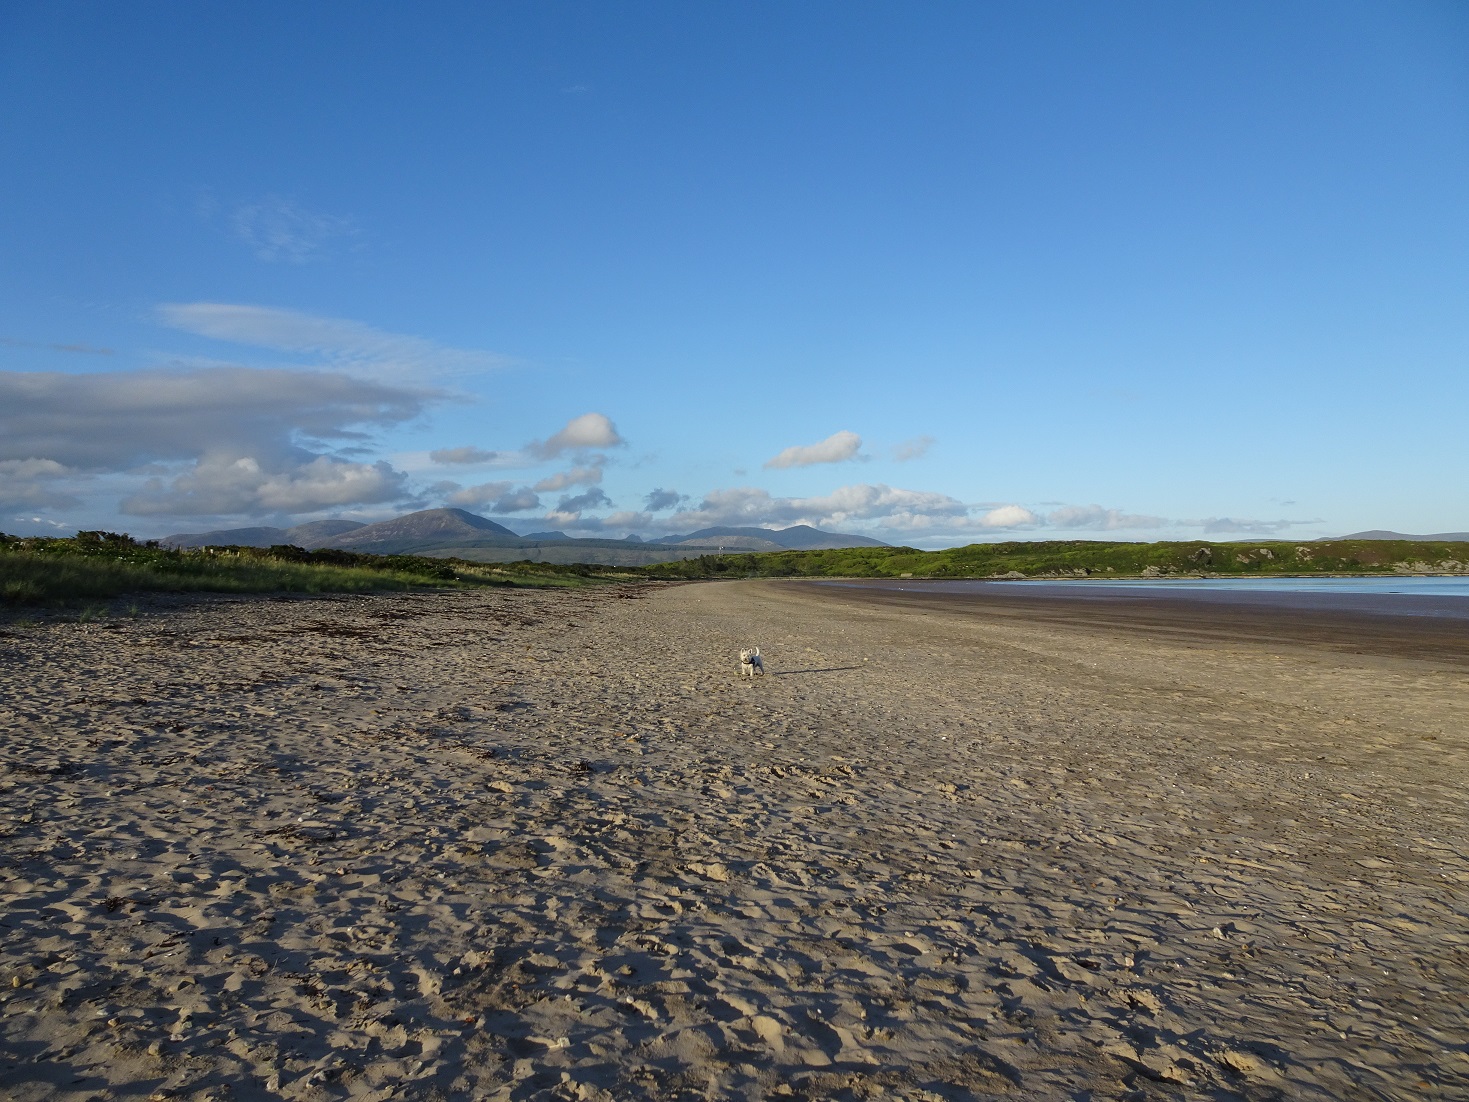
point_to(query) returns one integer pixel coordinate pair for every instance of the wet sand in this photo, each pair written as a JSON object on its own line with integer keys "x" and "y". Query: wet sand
{"x": 1402, "y": 626}
{"x": 550, "y": 845}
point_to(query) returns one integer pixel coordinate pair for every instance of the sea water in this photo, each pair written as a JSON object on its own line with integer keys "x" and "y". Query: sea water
{"x": 1387, "y": 596}
{"x": 1424, "y": 586}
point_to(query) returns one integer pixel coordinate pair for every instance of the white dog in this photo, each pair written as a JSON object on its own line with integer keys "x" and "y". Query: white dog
{"x": 750, "y": 663}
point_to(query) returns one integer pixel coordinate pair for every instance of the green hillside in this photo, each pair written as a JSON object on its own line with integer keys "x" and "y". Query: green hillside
{"x": 102, "y": 565}
{"x": 1084, "y": 558}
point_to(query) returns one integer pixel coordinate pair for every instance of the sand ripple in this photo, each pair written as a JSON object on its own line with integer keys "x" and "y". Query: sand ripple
{"x": 549, "y": 845}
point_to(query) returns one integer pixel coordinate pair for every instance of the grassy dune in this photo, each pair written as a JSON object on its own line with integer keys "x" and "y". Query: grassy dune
{"x": 1081, "y": 558}
{"x": 102, "y": 565}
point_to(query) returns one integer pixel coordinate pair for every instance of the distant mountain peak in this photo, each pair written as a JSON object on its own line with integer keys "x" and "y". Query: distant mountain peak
{"x": 426, "y": 524}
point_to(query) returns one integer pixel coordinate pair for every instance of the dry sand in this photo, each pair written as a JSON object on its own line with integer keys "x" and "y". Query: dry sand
{"x": 549, "y": 845}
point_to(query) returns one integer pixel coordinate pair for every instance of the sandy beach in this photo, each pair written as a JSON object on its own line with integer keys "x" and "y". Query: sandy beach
{"x": 548, "y": 845}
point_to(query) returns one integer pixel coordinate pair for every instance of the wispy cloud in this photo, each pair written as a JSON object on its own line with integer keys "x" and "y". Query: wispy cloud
{"x": 577, "y": 438}
{"x": 1220, "y": 525}
{"x": 577, "y": 476}
{"x": 338, "y": 342}
{"x": 916, "y": 448}
{"x": 467, "y": 456}
{"x": 80, "y": 349}
{"x": 836, "y": 448}
{"x": 280, "y": 230}
{"x": 1096, "y": 518}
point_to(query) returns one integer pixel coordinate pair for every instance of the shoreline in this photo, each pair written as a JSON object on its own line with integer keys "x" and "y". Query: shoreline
{"x": 511, "y": 844}
{"x": 1423, "y": 626}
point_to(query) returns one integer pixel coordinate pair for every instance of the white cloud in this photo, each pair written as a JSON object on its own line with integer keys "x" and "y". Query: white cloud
{"x": 468, "y": 456}
{"x": 836, "y": 448}
{"x": 221, "y": 484}
{"x": 1099, "y": 519}
{"x": 577, "y": 476}
{"x": 1009, "y": 516}
{"x": 340, "y": 343}
{"x": 915, "y": 448}
{"x": 277, "y": 229}
{"x": 590, "y": 430}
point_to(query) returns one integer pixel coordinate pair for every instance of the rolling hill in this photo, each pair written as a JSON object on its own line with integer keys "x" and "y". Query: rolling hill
{"x": 317, "y": 533}
{"x": 1381, "y": 534}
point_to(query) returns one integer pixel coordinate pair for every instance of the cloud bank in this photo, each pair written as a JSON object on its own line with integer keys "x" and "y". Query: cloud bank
{"x": 867, "y": 503}
{"x": 254, "y": 438}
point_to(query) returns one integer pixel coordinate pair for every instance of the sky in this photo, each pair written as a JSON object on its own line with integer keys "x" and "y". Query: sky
{"x": 936, "y": 273}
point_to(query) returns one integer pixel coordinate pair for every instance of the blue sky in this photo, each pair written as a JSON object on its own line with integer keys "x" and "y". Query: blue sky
{"x": 937, "y": 272}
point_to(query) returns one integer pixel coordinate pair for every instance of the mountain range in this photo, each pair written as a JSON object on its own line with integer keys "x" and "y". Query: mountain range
{"x": 1380, "y": 534}
{"x": 461, "y": 534}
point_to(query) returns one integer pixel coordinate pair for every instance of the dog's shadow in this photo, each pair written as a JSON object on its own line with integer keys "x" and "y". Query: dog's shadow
{"x": 823, "y": 669}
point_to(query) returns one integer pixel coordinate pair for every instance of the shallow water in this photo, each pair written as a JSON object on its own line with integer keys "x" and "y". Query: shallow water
{"x": 1446, "y": 597}
{"x": 1429, "y": 587}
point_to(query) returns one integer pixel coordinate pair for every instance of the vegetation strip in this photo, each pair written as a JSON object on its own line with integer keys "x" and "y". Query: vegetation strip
{"x": 100, "y": 565}
{"x": 1085, "y": 558}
